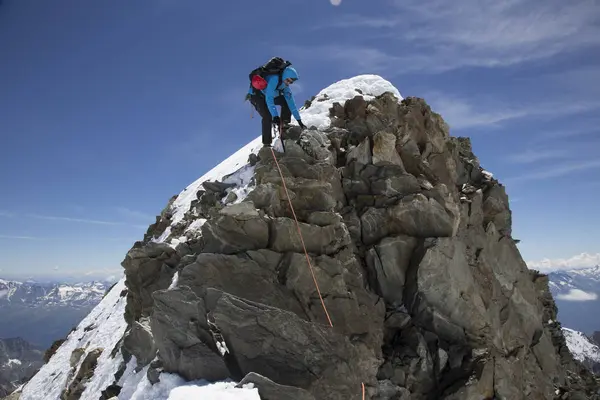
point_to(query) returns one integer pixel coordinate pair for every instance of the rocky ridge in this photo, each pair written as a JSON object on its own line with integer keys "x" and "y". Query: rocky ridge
{"x": 411, "y": 244}
{"x": 19, "y": 360}
{"x": 410, "y": 241}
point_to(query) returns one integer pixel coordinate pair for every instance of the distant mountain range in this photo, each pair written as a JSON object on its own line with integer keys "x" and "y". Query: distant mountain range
{"x": 577, "y": 296}
{"x": 44, "y": 312}
{"x": 32, "y": 294}
{"x": 19, "y": 360}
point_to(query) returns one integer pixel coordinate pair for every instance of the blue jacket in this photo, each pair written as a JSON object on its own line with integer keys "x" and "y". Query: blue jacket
{"x": 272, "y": 91}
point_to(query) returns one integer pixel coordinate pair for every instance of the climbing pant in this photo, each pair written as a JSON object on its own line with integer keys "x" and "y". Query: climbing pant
{"x": 259, "y": 103}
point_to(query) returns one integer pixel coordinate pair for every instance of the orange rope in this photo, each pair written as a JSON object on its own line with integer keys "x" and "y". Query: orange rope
{"x": 301, "y": 238}
{"x": 363, "y": 387}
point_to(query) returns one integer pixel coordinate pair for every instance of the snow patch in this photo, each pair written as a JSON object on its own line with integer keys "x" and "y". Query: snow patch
{"x": 174, "y": 281}
{"x": 368, "y": 86}
{"x": 136, "y": 386}
{"x": 234, "y": 162}
{"x": 13, "y": 361}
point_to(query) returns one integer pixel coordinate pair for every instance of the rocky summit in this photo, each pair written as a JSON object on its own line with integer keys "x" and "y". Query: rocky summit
{"x": 409, "y": 240}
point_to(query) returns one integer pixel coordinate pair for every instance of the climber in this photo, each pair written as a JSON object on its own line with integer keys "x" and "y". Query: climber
{"x": 270, "y": 87}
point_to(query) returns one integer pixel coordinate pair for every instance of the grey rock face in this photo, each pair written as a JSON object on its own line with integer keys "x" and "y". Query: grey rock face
{"x": 409, "y": 255}
{"x": 19, "y": 360}
{"x": 139, "y": 341}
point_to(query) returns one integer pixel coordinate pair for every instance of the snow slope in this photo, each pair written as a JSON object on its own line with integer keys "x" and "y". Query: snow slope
{"x": 106, "y": 325}
{"x": 580, "y": 346}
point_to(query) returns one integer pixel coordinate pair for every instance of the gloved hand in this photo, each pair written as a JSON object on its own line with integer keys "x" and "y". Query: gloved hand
{"x": 301, "y": 124}
{"x": 276, "y": 121}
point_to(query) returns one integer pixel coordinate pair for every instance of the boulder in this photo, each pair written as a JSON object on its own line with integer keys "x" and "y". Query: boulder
{"x": 232, "y": 234}
{"x": 384, "y": 149}
{"x": 318, "y": 239}
{"x": 269, "y": 390}
{"x": 388, "y": 262}
{"x": 139, "y": 341}
{"x": 419, "y": 216}
{"x": 331, "y": 369}
{"x": 183, "y": 337}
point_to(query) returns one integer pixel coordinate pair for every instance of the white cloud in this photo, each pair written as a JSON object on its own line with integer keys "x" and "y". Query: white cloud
{"x": 440, "y": 35}
{"x": 577, "y": 295}
{"x": 579, "y": 261}
{"x": 6, "y": 214}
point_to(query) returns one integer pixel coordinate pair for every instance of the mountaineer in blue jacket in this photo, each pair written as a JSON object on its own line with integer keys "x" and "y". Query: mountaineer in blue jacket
{"x": 276, "y": 92}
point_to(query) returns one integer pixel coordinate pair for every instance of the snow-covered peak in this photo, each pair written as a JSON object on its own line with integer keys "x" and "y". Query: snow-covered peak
{"x": 581, "y": 347}
{"x": 368, "y": 86}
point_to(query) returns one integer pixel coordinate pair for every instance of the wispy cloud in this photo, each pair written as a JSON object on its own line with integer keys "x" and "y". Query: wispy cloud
{"x": 68, "y": 219}
{"x": 532, "y": 156}
{"x": 556, "y": 171}
{"x": 126, "y": 212}
{"x": 579, "y": 261}
{"x": 83, "y": 220}
{"x": 480, "y": 33}
{"x": 577, "y": 295}
{"x": 6, "y": 214}
{"x": 16, "y": 237}
{"x": 463, "y": 113}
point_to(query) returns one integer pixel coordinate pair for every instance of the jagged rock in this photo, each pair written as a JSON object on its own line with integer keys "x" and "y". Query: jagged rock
{"x": 330, "y": 370}
{"x": 496, "y": 209}
{"x": 374, "y": 225}
{"x": 111, "y": 392}
{"x": 85, "y": 372}
{"x": 398, "y": 185}
{"x": 361, "y": 153}
{"x": 154, "y": 371}
{"x": 388, "y": 262}
{"x": 232, "y": 234}
{"x": 139, "y": 341}
{"x": 420, "y": 217}
{"x": 352, "y": 309}
{"x": 76, "y": 356}
{"x": 52, "y": 349}
{"x": 443, "y": 293}
{"x": 182, "y": 336}
{"x": 356, "y": 108}
{"x": 318, "y": 239}
{"x": 148, "y": 268}
{"x": 251, "y": 276}
{"x": 269, "y": 390}
{"x": 217, "y": 187}
{"x": 384, "y": 149}
{"x": 387, "y": 390}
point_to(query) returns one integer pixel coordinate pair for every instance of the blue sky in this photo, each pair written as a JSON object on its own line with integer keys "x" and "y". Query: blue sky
{"x": 108, "y": 108}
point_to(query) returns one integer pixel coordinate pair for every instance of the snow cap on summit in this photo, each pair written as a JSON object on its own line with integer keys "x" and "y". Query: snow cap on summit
{"x": 368, "y": 86}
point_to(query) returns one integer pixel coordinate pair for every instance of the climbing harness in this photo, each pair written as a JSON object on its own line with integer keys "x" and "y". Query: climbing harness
{"x": 301, "y": 238}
